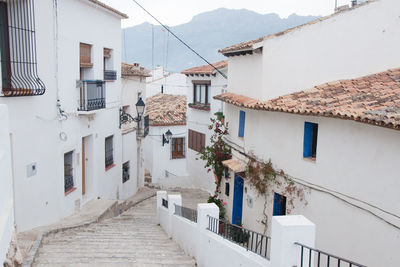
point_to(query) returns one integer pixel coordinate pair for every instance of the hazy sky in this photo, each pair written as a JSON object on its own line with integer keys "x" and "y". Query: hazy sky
{"x": 174, "y": 12}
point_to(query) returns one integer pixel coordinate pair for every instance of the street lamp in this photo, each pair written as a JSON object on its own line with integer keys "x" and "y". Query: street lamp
{"x": 126, "y": 117}
{"x": 166, "y": 137}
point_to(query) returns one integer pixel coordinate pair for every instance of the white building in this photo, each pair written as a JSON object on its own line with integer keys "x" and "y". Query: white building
{"x": 64, "y": 110}
{"x": 165, "y": 147}
{"x": 162, "y": 81}
{"x": 203, "y": 83}
{"x": 6, "y": 186}
{"x": 336, "y": 141}
{"x": 133, "y": 131}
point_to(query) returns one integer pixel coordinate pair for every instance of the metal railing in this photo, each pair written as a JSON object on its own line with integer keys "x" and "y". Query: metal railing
{"x": 110, "y": 75}
{"x": 250, "y": 240}
{"x": 315, "y": 257}
{"x": 92, "y": 95}
{"x": 68, "y": 182}
{"x": 187, "y": 213}
{"x": 165, "y": 203}
{"x": 109, "y": 157}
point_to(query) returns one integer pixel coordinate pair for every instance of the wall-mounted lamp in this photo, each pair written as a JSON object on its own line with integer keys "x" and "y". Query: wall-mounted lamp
{"x": 126, "y": 117}
{"x": 166, "y": 137}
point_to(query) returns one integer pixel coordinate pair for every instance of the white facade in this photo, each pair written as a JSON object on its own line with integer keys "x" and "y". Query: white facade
{"x": 6, "y": 186}
{"x": 198, "y": 120}
{"x": 158, "y": 157}
{"x": 351, "y": 187}
{"x": 41, "y": 134}
{"x": 172, "y": 83}
{"x": 348, "y": 44}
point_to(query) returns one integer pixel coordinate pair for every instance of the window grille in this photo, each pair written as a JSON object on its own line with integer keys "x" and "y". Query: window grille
{"x": 125, "y": 172}
{"x": 18, "y": 56}
{"x": 109, "y": 156}
{"x": 68, "y": 172}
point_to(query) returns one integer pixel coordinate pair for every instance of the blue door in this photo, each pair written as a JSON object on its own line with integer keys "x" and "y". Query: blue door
{"x": 279, "y": 205}
{"x": 237, "y": 201}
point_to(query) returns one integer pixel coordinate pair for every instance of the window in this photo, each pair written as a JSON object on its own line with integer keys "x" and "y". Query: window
{"x": 201, "y": 92}
{"x": 68, "y": 172}
{"x": 197, "y": 141}
{"x": 227, "y": 189}
{"x": 242, "y": 118}
{"x": 178, "y": 148}
{"x": 18, "y": 59}
{"x": 109, "y": 158}
{"x": 85, "y": 55}
{"x": 279, "y": 205}
{"x": 125, "y": 172}
{"x": 310, "y": 140}
{"x": 109, "y": 73}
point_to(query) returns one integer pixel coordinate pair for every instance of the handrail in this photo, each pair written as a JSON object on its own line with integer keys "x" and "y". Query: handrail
{"x": 329, "y": 256}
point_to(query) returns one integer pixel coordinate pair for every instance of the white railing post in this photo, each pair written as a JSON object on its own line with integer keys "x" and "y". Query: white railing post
{"x": 172, "y": 201}
{"x": 160, "y": 195}
{"x": 286, "y": 230}
{"x": 204, "y": 211}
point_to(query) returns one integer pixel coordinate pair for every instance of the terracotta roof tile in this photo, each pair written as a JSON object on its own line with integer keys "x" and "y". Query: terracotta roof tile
{"x": 248, "y": 45}
{"x": 164, "y": 110}
{"x": 109, "y": 8}
{"x": 134, "y": 70}
{"x": 206, "y": 69}
{"x": 373, "y": 99}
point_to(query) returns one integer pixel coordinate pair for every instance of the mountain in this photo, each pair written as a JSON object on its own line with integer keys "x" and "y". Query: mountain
{"x": 206, "y": 33}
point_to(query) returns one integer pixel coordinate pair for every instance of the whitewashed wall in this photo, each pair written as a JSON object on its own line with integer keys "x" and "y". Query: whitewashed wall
{"x": 350, "y": 44}
{"x": 158, "y": 157}
{"x": 35, "y": 124}
{"x": 352, "y": 178}
{"x": 199, "y": 120}
{"x": 6, "y": 185}
{"x": 173, "y": 83}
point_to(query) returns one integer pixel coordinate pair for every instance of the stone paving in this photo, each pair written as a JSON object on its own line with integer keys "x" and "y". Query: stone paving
{"x": 130, "y": 239}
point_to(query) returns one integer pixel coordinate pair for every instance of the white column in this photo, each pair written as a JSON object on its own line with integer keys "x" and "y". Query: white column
{"x": 160, "y": 195}
{"x": 286, "y": 230}
{"x": 172, "y": 201}
{"x": 204, "y": 211}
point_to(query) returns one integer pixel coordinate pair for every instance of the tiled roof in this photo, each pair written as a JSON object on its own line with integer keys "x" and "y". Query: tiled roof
{"x": 248, "y": 45}
{"x": 164, "y": 110}
{"x": 373, "y": 99}
{"x": 206, "y": 69}
{"x": 134, "y": 70}
{"x": 109, "y": 8}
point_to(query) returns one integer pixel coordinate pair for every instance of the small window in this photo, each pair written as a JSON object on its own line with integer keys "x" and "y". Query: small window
{"x": 310, "y": 140}
{"x": 68, "y": 172}
{"x": 197, "y": 141}
{"x": 201, "y": 92}
{"x": 227, "y": 189}
{"x": 109, "y": 73}
{"x": 109, "y": 149}
{"x": 125, "y": 172}
{"x": 178, "y": 148}
{"x": 242, "y": 118}
{"x": 279, "y": 205}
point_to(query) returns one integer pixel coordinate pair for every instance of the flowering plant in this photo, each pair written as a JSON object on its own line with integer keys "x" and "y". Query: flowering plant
{"x": 220, "y": 203}
{"x": 217, "y": 152}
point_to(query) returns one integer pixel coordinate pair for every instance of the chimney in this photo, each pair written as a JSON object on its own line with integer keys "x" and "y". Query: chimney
{"x": 136, "y": 64}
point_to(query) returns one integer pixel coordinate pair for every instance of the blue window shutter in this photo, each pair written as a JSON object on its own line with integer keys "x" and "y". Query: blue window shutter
{"x": 307, "y": 146}
{"x": 242, "y": 119}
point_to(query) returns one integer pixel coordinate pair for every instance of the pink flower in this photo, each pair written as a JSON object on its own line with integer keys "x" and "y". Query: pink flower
{"x": 224, "y": 203}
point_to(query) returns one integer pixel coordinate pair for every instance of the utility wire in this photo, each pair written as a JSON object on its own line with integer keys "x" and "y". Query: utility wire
{"x": 180, "y": 40}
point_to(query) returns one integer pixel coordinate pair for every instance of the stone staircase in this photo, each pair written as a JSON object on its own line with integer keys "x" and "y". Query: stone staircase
{"x": 130, "y": 239}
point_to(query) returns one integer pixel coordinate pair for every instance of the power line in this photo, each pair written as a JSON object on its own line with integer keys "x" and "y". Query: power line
{"x": 180, "y": 40}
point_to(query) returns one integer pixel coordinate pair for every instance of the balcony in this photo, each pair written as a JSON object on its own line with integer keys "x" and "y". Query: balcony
{"x": 92, "y": 95}
{"x": 110, "y": 75}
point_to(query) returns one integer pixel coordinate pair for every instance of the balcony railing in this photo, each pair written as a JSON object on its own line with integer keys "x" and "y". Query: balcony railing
{"x": 92, "y": 95}
{"x": 110, "y": 75}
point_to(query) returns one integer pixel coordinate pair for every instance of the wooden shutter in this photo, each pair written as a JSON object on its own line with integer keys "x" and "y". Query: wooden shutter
{"x": 307, "y": 144}
{"x": 85, "y": 55}
{"x": 242, "y": 119}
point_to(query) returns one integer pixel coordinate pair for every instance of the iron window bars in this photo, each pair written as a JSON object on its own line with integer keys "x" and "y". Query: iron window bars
{"x": 308, "y": 258}
{"x": 187, "y": 213}
{"x": 110, "y": 75}
{"x": 250, "y": 240}
{"x": 92, "y": 95}
{"x": 125, "y": 172}
{"x": 109, "y": 151}
{"x": 18, "y": 49}
{"x": 165, "y": 203}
